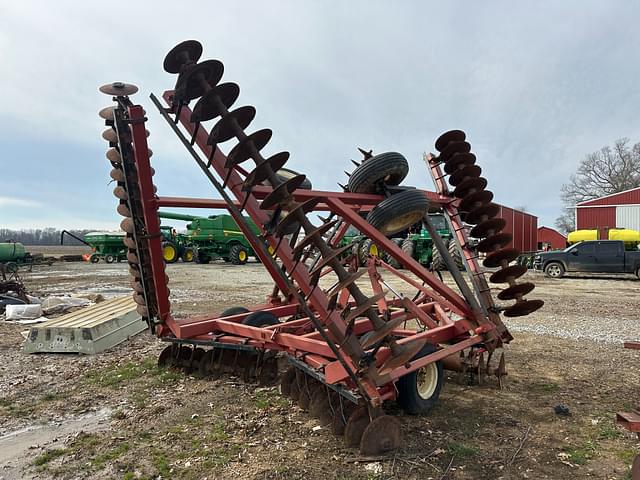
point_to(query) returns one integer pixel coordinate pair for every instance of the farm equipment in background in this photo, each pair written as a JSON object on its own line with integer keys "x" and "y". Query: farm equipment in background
{"x": 176, "y": 245}
{"x": 107, "y": 246}
{"x": 422, "y": 247}
{"x": 631, "y": 238}
{"x": 13, "y": 256}
{"x": 348, "y": 352}
{"x": 209, "y": 238}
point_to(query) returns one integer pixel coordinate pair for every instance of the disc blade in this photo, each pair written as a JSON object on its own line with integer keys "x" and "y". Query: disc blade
{"x": 481, "y": 214}
{"x": 185, "y": 52}
{"x": 244, "y": 150}
{"x": 225, "y": 129}
{"x": 208, "y": 106}
{"x": 488, "y": 227}
{"x": 497, "y": 258}
{"x": 454, "y": 148}
{"x": 461, "y": 174}
{"x": 282, "y": 192}
{"x": 475, "y": 200}
{"x": 264, "y": 169}
{"x": 118, "y": 89}
{"x": 458, "y": 160}
{"x": 469, "y": 186}
{"x": 523, "y": 308}
{"x": 448, "y": 137}
{"x": 517, "y": 291}
{"x": 512, "y": 272}
{"x": 382, "y": 435}
{"x": 494, "y": 242}
{"x": 356, "y": 425}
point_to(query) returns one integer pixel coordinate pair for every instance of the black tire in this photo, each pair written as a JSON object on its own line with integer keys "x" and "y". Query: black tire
{"x": 234, "y": 311}
{"x": 189, "y": 255}
{"x": 202, "y": 257}
{"x": 554, "y": 270}
{"x": 455, "y": 254}
{"x": 94, "y": 258}
{"x": 389, "y": 259}
{"x": 398, "y": 212}
{"x": 109, "y": 258}
{"x": 285, "y": 174}
{"x": 408, "y": 247}
{"x": 409, "y": 396}
{"x": 11, "y": 267}
{"x": 261, "y": 319}
{"x": 389, "y": 168}
{"x": 437, "y": 262}
{"x": 238, "y": 254}
{"x": 169, "y": 252}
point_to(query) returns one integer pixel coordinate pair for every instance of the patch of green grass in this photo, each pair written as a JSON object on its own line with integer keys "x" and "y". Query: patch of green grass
{"x": 581, "y": 454}
{"x": 49, "y": 455}
{"x": 270, "y": 398}
{"x": 130, "y": 371}
{"x": 100, "y": 460}
{"x": 462, "y": 450}
{"x": 626, "y": 455}
{"x": 50, "y": 396}
{"x": 160, "y": 463}
{"x": 544, "y": 387}
{"x": 608, "y": 431}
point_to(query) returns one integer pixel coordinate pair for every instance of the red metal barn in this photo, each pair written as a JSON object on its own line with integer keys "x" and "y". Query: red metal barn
{"x": 523, "y": 226}
{"x": 619, "y": 210}
{"x": 552, "y": 238}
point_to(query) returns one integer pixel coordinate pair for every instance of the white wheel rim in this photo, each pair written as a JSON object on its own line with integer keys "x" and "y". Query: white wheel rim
{"x": 427, "y": 381}
{"x": 554, "y": 270}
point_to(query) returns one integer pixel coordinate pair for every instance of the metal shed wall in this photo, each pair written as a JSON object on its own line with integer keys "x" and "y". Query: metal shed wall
{"x": 523, "y": 227}
{"x": 551, "y": 237}
{"x": 623, "y": 198}
{"x": 628, "y": 216}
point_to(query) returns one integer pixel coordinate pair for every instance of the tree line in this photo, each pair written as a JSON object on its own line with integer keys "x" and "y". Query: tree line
{"x": 40, "y": 236}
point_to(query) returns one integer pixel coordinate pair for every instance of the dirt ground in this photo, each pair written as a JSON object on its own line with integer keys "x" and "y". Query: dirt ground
{"x": 117, "y": 415}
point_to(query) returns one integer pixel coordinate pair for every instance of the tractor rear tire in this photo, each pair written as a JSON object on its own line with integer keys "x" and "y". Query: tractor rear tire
{"x": 456, "y": 255}
{"x": 188, "y": 255}
{"x": 388, "y": 168}
{"x": 408, "y": 247}
{"x": 238, "y": 255}
{"x": 398, "y": 212}
{"x": 169, "y": 252}
{"x": 367, "y": 247}
{"x": 437, "y": 262}
{"x": 419, "y": 390}
{"x": 389, "y": 259}
{"x": 261, "y": 319}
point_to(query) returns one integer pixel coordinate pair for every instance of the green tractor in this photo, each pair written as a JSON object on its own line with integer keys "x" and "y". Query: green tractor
{"x": 209, "y": 238}
{"x": 421, "y": 247}
{"x": 107, "y": 246}
{"x": 175, "y": 245}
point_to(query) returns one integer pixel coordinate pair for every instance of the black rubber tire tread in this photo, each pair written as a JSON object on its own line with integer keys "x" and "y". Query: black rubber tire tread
{"x": 390, "y": 167}
{"x": 363, "y": 251}
{"x": 398, "y": 205}
{"x": 175, "y": 248}
{"x": 234, "y": 311}
{"x": 285, "y": 174}
{"x": 456, "y": 255}
{"x": 109, "y": 258}
{"x": 201, "y": 257}
{"x": 408, "y": 397}
{"x": 408, "y": 247}
{"x": 389, "y": 259}
{"x": 184, "y": 255}
{"x": 261, "y": 319}
{"x": 437, "y": 262}
{"x": 234, "y": 254}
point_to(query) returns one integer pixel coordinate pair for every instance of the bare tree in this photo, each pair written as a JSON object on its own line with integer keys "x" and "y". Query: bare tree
{"x": 609, "y": 170}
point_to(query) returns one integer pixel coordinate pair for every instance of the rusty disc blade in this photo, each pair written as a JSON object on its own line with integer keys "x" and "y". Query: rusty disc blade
{"x": 282, "y": 192}
{"x": 245, "y": 149}
{"x": 225, "y": 129}
{"x": 110, "y": 135}
{"x": 132, "y": 257}
{"x": 319, "y": 401}
{"x": 356, "y": 425}
{"x": 137, "y": 286}
{"x": 107, "y": 113}
{"x": 327, "y": 260}
{"x": 452, "y": 149}
{"x": 304, "y": 399}
{"x": 375, "y": 336}
{"x": 475, "y": 200}
{"x": 459, "y": 160}
{"x": 127, "y": 225}
{"x": 291, "y": 217}
{"x": 407, "y": 352}
{"x": 120, "y": 193}
{"x": 335, "y": 290}
{"x": 167, "y": 355}
{"x": 118, "y": 89}
{"x": 513, "y": 272}
{"x": 469, "y": 186}
{"x": 497, "y": 258}
{"x": 197, "y": 81}
{"x": 525, "y": 307}
{"x": 264, "y": 169}
{"x": 448, "y": 137}
{"x": 494, "y": 242}
{"x": 113, "y": 155}
{"x": 205, "y": 363}
{"x": 285, "y": 381}
{"x": 185, "y": 52}
{"x": 340, "y": 417}
{"x": 363, "y": 308}
{"x": 309, "y": 237}
{"x": 129, "y": 241}
{"x": 382, "y": 435}
{"x": 117, "y": 174}
{"x": 123, "y": 210}
{"x": 139, "y": 299}
{"x": 143, "y": 311}
{"x": 207, "y": 108}
{"x": 516, "y": 291}
{"x": 469, "y": 171}
{"x": 488, "y": 227}
{"x": 294, "y": 389}
{"x": 480, "y": 214}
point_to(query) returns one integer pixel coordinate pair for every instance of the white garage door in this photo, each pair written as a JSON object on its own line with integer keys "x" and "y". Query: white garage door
{"x": 628, "y": 216}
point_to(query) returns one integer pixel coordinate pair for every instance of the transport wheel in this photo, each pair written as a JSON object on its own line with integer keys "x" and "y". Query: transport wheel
{"x": 388, "y": 168}
{"x": 437, "y": 263}
{"x": 398, "y": 212}
{"x": 261, "y": 319}
{"x": 455, "y": 254}
{"x": 389, "y": 259}
{"x": 234, "y": 311}
{"x": 408, "y": 247}
{"x": 188, "y": 255}
{"x": 94, "y": 258}
{"x": 554, "y": 270}
{"x": 238, "y": 254}
{"x": 169, "y": 252}
{"x": 109, "y": 258}
{"x": 11, "y": 267}
{"x": 418, "y": 391}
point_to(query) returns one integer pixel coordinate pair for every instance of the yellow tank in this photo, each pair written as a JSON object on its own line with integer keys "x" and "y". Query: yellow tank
{"x": 627, "y": 235}
{"x": 581, "y": 236}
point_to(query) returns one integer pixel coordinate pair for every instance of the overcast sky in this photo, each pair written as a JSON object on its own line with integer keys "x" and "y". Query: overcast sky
{"x": 536, "y": 86}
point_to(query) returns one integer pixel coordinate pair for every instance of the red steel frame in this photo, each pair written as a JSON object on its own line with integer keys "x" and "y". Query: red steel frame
{"x": 445, "y": 318}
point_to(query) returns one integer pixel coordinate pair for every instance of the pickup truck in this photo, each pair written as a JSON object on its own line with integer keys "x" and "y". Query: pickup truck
{"x": 598, "y": 256}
